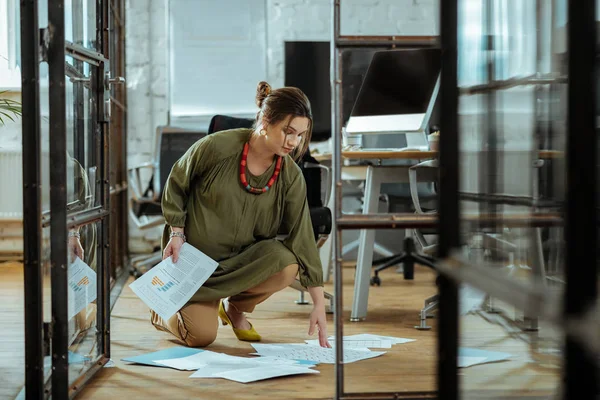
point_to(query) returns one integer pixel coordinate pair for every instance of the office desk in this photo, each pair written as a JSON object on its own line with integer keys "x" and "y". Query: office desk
{"x": 374, "y": 176}
{"x": 412, "y": 155}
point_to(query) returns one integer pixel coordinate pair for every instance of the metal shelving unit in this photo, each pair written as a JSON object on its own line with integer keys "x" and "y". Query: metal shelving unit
{"x": 397, "y": 221}
{"x": 581, "y": 367}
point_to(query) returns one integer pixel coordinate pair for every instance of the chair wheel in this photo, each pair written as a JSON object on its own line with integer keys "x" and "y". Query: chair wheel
{"x": 375, "y": 281}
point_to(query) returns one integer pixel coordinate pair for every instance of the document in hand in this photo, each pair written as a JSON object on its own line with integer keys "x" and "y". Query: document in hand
{"x": 168, "y": 286}
{"x": 82, "y": 286}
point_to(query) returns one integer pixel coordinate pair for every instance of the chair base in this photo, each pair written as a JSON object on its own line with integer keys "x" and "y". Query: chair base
{"x": 408, "y": 258}
{"x": 431, "y": 304}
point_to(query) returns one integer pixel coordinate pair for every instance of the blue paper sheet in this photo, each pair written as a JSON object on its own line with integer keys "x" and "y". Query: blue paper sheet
{"x": 491, "y": 356}
{"x": 173, "y": 352}
{"x": 306, "y": 362}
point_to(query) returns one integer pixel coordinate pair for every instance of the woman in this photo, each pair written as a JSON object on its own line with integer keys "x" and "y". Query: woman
{"x": 229, "y": 196}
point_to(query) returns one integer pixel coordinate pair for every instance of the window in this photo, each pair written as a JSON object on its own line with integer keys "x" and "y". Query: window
{"x": 10, "y": 47}
{"x": 217, "y": 56}
{"x": 514, "y": 30}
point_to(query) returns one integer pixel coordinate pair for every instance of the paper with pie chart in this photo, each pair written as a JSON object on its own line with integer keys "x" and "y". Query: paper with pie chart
{"x": 168, "y": 286}
{"x": 82, "y": 286}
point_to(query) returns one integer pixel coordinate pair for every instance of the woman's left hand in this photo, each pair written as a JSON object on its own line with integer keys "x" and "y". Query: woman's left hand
{"x": 75, "y": 249}
{"x": 318, "y": 321}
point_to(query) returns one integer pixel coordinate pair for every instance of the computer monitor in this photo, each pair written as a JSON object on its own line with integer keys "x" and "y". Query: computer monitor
{"x": 398, "y": 95}
{"x": 307, "y": 67}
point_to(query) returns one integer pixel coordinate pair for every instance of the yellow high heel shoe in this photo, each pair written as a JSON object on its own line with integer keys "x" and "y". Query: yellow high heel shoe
{"x": 247, "y": 335}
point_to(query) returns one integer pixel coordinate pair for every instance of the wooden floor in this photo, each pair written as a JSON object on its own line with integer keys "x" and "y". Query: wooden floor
{"x": 393, "y": 310}
{"x": 12, "y": 334}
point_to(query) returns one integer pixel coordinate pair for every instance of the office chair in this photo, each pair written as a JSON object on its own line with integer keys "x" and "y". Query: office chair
{"x": 411, "y": 195}
{"x": 320, "y": 215}
{"x": 145, "y": 208}
{"x": 410, "y": 254}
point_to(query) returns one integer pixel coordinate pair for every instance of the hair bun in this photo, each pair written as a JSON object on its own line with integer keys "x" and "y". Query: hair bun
{"x": 262, "y": 91}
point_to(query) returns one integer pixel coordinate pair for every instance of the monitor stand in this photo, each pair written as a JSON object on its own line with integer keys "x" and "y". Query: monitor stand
{"x": 417, "y": 140}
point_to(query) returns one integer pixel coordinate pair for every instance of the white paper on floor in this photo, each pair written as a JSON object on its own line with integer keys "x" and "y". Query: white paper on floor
{"x": 468, "y": 357}
{"x": 465, "y": 361}
{"x": 357, "y": 344}
{"x": 209, "y": 364}
{"x": 368, "y": 336}
{"x": 252, "y": 374}
{"x": 316, "y": 354}
{"x": 204, "y": 359}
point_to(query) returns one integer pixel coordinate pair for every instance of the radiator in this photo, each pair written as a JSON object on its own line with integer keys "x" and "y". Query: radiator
{"x": 11, "y": 205}
{"x": 11, "y": 185}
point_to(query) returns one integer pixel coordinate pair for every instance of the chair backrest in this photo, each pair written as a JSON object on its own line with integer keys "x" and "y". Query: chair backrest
{"x": 312, "y": 176}
{"x": 224, "y": 122}
{"x": 172, "y": 144}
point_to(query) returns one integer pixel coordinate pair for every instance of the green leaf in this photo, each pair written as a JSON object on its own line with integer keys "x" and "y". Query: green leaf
{"x": 7, "y": 116}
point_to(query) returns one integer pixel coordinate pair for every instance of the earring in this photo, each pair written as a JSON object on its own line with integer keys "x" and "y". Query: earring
{"x": 263, "y": 132}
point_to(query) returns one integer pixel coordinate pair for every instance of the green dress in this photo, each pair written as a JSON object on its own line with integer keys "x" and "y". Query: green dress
{"x": 238, "y": 229}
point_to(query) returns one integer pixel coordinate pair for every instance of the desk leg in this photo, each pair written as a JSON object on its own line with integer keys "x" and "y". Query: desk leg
{"x": 326, "y": 251}
{"x": 326, "y": 256}
{"x": 365, "y": 249}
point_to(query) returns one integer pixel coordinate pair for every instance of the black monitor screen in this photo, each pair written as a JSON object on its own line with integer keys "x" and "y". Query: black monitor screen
{"x": 307, "y": 68}
{"x": 399, "y": 82}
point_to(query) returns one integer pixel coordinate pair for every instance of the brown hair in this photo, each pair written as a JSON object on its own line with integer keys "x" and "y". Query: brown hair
{"x": 279, "y": 104}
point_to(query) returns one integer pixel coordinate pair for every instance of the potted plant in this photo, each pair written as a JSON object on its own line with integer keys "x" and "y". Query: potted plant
{"x": 8, "y": 109}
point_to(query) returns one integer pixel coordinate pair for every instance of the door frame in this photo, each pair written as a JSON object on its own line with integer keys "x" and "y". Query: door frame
{"x": 38, "y": 45}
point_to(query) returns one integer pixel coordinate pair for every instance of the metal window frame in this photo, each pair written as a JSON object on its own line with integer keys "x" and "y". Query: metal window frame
{"x": 581, "y": 368}
{"x": 32, "y": 224}
{"x": 337, "y": 44}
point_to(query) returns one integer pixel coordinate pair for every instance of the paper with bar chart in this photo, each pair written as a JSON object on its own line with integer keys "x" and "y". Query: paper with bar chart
{"x": 168, "y": 286}
{"x": 82, "y": 286}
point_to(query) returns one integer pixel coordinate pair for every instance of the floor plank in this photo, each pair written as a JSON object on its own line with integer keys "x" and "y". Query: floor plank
{"x": 12, "y": 334}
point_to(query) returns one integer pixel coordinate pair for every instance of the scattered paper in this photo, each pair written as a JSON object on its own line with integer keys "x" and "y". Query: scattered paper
{"x": 357, "y": 344}
{"x": 82, "y": 286}
{"x": 273, "y": 359}
{"x": 168, "y": 286}
{"x": 471, "y": 299}
{"x": 266, "y": 372}
{"x": 477, "y": 356}
{"x": 173, "y": 352}
{"x": 110, "y": 364}
{"x": 464, "y": 361}
{"x": 368, "y": 336}
{"x": 313, "y": 353}
{"x": 209, "y": 364}
{"x": 204, "y": 359}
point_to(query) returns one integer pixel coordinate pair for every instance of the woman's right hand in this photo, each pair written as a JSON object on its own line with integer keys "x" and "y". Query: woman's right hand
{"x": 173, "y": 248}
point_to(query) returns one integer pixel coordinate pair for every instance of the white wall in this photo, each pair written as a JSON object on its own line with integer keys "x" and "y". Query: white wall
{"x": 311, "y": 20}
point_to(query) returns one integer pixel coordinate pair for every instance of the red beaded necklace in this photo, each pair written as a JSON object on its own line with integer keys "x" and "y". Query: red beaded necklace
{"x": 243, "y": 179}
